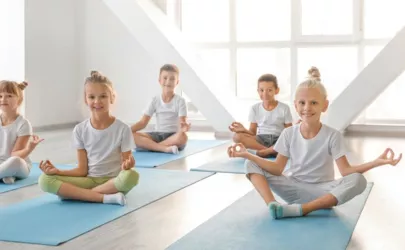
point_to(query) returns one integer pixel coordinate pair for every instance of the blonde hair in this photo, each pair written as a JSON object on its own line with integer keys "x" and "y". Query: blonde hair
{"x": 14, "y": 88}
{"x": 98, "y": 78}
{"x": 313, "y": 81}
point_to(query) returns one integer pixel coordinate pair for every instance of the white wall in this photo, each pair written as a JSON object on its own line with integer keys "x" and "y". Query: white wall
{"x": 51, "y": 62}
{"x": 12, "y": 40}
{"x": 110, "y": 48}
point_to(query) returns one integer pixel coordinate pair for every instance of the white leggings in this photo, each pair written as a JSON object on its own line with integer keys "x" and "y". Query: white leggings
{"x": 293, "y": 191}
{"x": 14, "y": 167}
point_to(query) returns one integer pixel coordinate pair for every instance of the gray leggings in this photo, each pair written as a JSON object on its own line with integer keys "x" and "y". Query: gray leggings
{"x": 14, "y": 167}
{"x": 295, "y": 192}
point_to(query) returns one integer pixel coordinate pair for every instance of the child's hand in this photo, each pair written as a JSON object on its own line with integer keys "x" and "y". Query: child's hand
{"x": 237, "y": 127}
{"x": 237, "y": 150}
{"x": 48, "y": 168}
{"x": 34, "y": 141}
{"x": 388, "y": 158}
{"x": 128, "y": 163}
{"x": 184, "y": 126}
{"x": 299, "y": 121}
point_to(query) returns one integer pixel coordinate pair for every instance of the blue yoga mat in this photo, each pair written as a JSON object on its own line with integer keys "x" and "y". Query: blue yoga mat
{"x": 30, "y": 180}
{"x": 49, "y": 221}
{"x": 230, "y": 165}
{"x": 246, "y": 224}
{"x": 147, "y": 159}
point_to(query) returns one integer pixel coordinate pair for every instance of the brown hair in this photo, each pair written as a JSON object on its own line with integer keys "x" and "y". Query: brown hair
{"x": 97, "y": 77}
{"x": 268, "y": 78}
{"x": 169, "y": 68}
{"x": 14, "y": 88}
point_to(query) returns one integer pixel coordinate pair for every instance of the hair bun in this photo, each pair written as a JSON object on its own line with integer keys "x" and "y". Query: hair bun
{"x": 94, "y": 73}
{"x": 22, "y": 85}
{"x": 313, "y": 72}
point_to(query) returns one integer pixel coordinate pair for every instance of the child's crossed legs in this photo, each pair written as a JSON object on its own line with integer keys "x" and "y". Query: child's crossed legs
{"x": 302, "y": 198}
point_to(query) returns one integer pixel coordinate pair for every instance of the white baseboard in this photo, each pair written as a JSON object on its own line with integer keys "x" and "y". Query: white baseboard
{"x": 378, "y": 130}
{"x": 55, "y": 127}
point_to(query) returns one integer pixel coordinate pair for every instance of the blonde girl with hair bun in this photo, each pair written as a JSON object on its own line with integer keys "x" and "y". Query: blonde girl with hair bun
{"x": 312, "y": 148}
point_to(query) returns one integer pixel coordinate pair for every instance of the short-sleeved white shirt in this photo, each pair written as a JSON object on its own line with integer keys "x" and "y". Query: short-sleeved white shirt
{"x": 311, "y": 160}
{"x": 167, "y": 114}
{"x": 270, "y": 122}
{"x": 103, "y": 147}
{"x": 10, "y": 133}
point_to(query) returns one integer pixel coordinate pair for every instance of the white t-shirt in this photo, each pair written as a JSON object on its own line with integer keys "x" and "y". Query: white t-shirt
{"x": 103, "y": 147}
{"x": 10, "y": 133}
{"x": 167, "y": 114}
{"x": 270, "y": 122}
{"x": 311, "y": 160}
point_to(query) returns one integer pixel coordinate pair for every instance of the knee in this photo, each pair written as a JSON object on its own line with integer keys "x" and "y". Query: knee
{"x": 252, "y": 167}
{"x": 15, "y": 160}
{"x": 126, "y": 180}
{"x": 359, "y": 182}
{"x": 48, "y": 183}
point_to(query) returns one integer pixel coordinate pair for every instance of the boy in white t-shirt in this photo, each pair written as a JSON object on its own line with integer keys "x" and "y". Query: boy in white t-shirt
{"x": 15, "y": 133}
{"x": 267, "y": 119}
{"x": 312, "y": 147}
{"x": 171, "y": 113}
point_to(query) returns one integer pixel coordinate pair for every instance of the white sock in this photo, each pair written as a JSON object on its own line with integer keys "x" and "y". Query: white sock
{"x": 117, "y": 198}
{"x": 278, "y": 211}
{"x": 175, "y": 150}
{"x": 9, "y": 180}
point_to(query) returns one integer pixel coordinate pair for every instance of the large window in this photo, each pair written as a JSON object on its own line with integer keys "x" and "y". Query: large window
{"x": 239, "y": 40}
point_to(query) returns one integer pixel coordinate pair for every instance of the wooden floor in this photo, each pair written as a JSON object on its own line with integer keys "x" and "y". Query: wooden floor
{"x": 156, "y": 226}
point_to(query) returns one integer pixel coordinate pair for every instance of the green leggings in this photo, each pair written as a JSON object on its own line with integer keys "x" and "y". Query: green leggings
{"x": 124, "y": 182}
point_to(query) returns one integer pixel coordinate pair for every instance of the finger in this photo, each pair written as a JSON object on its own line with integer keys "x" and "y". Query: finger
{"x": 398, "y": 159}
{"x": 230, "y": 151}
{"x": 385, "y": 152}
{"x": 391, "y": 154}
{"x": 41, "y": 165}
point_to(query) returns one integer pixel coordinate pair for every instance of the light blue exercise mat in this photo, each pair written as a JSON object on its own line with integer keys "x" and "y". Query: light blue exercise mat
{"x": 246, "y": 224}
{"x": 31, "y": 180}
{"x": 230, "y": 165}
{"x": 48, "y": 220}
{"x": 148, "y": 159}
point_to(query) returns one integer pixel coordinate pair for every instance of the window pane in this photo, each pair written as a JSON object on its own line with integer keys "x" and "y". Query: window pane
{"x": 263, "y": 20}
{"x": 338, "y": 66}
{"x": 383, "y": 18}
{"x": 205, "y": 21}
{"x": 320, "y": 17}
{"x": 214, "y": 70}
{"x": 387, "y": 105}
{"x": 252, "y": 63}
